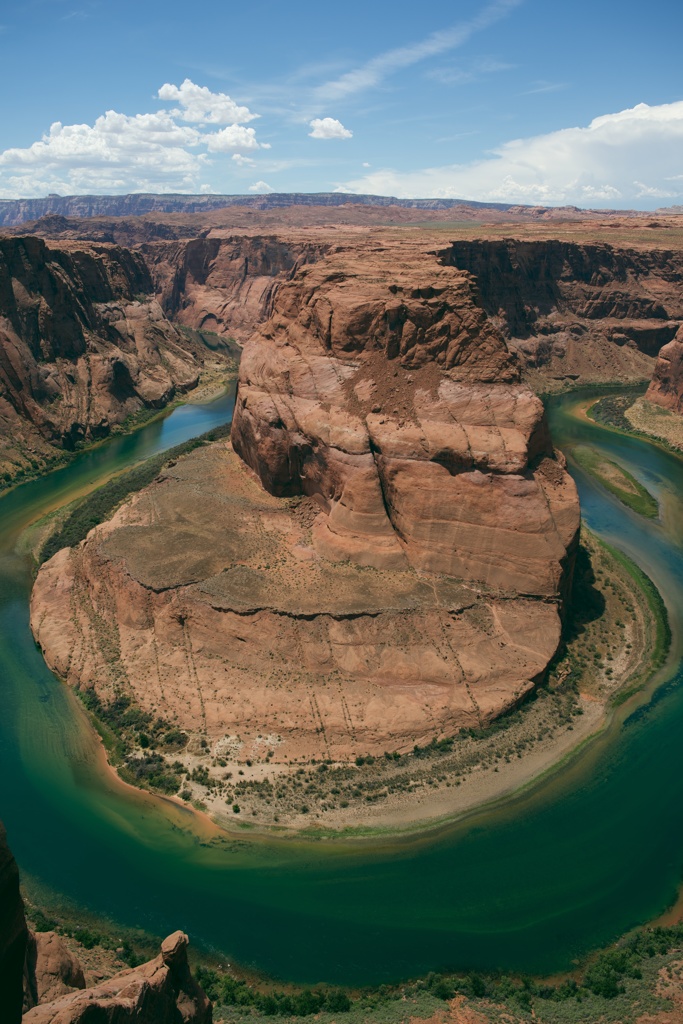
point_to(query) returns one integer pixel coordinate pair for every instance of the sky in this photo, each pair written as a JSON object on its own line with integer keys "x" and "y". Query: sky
{"x": 512, "y": 101}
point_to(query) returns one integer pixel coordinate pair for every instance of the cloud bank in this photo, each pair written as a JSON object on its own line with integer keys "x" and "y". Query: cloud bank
{"x": 632, "y": 157}
{"x": 165, "y": 151}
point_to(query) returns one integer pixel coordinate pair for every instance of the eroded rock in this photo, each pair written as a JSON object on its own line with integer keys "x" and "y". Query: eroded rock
{"x": 666, "y": 388}
{"x": 162, "y": 991}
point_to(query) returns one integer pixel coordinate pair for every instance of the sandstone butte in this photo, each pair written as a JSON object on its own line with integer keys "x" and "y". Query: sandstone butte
{"x": 381, "y": 557}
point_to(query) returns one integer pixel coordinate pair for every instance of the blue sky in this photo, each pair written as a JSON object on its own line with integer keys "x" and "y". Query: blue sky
{"x": 505, "y": 100}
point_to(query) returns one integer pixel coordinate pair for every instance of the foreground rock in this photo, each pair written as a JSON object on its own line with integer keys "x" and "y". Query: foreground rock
{"x": 403, "y": 578}
{"x": 666, "y": 388}
{"x": 13, "y": 936}
{"x": 83, "y": 345}
{"x": 51, "y": 969}
{"x": 162, "y": 991}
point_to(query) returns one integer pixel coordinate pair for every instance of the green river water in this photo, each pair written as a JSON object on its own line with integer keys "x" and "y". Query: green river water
{"x": 530, "y": 885}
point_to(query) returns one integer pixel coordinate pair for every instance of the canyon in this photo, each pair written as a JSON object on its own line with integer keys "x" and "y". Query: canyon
{"x": 391, "y": 507}
{"x": 84, "y": 345}
{"x": 406, "y": 528}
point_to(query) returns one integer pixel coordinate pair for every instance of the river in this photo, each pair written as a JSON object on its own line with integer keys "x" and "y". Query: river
{"x": 531, "y": 885}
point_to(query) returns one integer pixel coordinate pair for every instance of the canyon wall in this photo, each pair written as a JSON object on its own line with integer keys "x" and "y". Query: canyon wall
{"x": 224, "y": 285}
{"x": 572, "y": 310}
{"x": 666, "y": 388}
{"x": 83, "y": 345}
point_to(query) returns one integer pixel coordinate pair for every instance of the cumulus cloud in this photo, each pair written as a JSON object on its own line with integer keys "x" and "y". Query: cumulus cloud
{"x": 261, "y": 188}
{"x": 155, "y": 152}
{"x": 617, "y": 160}
{"x": 233, "y": 139}
{"x": 143, "y": 152}
{"x": 198, "y": 104}
{"x": 328, "y": 128}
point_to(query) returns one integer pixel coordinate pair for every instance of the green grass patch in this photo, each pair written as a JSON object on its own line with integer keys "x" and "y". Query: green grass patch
{"x": 617, "y": 481}
{"x": 655, "y": 602}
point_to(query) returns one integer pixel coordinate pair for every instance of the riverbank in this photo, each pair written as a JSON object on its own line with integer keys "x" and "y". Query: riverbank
{"x": 213, "y": 382}
{"x": 615, "y": 642}
{"x": 638, "y": 418}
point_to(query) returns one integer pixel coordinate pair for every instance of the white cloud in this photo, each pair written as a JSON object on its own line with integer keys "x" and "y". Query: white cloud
{"x": 144, "y": 152}
{"x": 200, "y": 105}
{"x": 121, "y": 153}
{"x": 233, "y": 139}
{"x": 243, "y": 161}
{"x": 261, "y": 188}
{"x": 617, "y": 160}
{"x": 374, "y": 71}
{"x": 328, "y": 128}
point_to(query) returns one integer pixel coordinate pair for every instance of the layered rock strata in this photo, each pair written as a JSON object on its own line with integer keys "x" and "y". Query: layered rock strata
{"x": 387, "y": 562}
{"x": 573, "y": 310}
{"x": 225, "y": 285}
{"x": 666, "y": 387}
{"x": 83, "y": 345}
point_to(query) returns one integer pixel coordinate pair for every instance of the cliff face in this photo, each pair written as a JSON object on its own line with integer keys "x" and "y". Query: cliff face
{"x": 13, "y": 936}
{"x": 666, "y": 388}
{"x": 577, "y": 310}
{"x": 224, "y": 285}
{"x": 380, "y": 388}
{"x": 83, "y": 344}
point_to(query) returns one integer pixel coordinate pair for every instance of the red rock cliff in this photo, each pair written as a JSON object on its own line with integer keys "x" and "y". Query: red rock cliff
{"x": 380, "y": 388}
{"x": 83, "y": 344}
{"x": 579, "y": 310}
{"x": 666, "y": 388}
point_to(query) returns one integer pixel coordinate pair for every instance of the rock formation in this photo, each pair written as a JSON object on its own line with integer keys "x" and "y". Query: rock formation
{"x": 13, "y": 936}
{"x": 83, "y": 344}
{"x": 51, "y": 970}
{"x": 573, "y": 310}
{"x": 162, "y": 991}
{"x": 224, "y": 285}
{"x": 402, "y": 574}
{"x": 666, "y": 388}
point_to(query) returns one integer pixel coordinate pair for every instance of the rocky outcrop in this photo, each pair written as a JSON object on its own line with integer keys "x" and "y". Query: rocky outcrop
{"x": 13, "y": 936}
{"x": 225, "y": 285}
{"x": 403, "y": 572}
{"x": 83, "y": 345}
{"x": 51, "y": 970}
{"x": 589, "y": 311}
{"x": 162, "y": 991}
{"x": 666, "y": 388}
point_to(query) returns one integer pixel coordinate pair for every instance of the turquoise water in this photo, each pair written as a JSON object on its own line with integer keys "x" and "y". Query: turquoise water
{"x": 528, "y": 886}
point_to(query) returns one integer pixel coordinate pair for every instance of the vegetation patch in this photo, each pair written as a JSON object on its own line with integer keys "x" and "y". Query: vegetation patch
{"x": 617, "y": 481}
